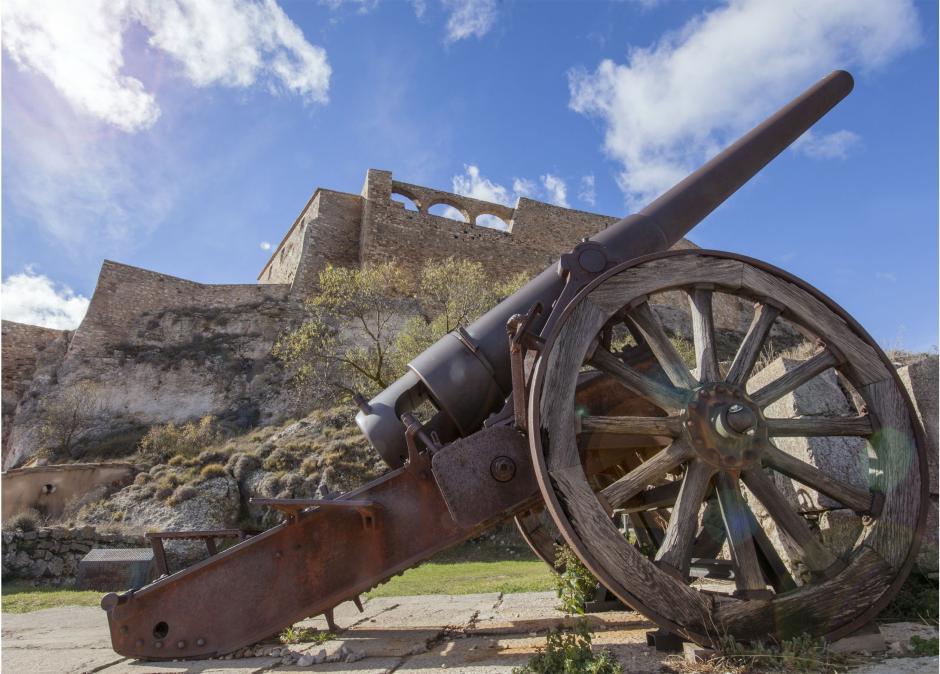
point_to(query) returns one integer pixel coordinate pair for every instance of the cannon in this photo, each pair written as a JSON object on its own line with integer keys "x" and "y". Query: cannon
{"x": 569, "y": 408}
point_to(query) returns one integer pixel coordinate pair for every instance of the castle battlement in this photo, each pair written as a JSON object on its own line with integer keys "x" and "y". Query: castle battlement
{"x": 346, "y": 229}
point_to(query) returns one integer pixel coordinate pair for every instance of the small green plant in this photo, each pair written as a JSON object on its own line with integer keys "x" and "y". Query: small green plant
{"x": 802, "y": 653}
{"x": 303, "y": 635}
{"x": 569, "y": 652}
{"x": 923, "y": 647}
{"x": 574, "y": 584}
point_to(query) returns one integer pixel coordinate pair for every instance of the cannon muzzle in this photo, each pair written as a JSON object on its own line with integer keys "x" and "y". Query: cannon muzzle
{"x": 466, "y": 374}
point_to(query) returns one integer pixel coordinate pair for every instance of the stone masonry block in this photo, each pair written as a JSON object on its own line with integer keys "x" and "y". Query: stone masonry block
{"x": 843, "y": 458}
{"x": 920, "y": 379}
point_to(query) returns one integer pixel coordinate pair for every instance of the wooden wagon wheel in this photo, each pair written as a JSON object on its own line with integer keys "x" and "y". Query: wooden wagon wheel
{"x": 715, "y": 438}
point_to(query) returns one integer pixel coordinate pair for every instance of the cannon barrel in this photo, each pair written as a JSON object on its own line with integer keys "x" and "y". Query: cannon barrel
{"x": 466, "y": 375}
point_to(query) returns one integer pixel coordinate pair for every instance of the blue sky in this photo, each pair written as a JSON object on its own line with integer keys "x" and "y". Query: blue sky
{"x": 180, "y": 136}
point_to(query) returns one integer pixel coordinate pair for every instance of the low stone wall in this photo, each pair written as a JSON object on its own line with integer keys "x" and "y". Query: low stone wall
{"x": 50, "y": 556}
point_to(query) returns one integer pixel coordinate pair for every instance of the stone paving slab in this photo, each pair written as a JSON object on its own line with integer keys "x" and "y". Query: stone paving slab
{"x": 57, "y": 661}
{"x": 240, "y": 666}
{"x": 476, "y": 634}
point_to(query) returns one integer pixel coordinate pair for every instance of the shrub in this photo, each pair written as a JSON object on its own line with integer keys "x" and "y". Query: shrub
{"x": 212, "y": 456}
{"x": 245, "y": 465}
{"x": 183, "y": 493}
{"x": 142, "y": 478}
{"x": 280, "y": 459}
{"x": 269, "y": 486}
{"x": 169, "y": 439}
{"x": 310, "y": 465}
{"x": 177, "y": 460}
{"x": 163, "y": 492}
{"x": 212, "y": 470}
{"x": 28, "y": 520}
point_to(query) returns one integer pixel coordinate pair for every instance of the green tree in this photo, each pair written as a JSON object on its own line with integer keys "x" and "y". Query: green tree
{"x": 452, "y": 294}
{"x": 365, "y": 325}
{"x": 347, "y": 342}
{"x": 67, "y": 417}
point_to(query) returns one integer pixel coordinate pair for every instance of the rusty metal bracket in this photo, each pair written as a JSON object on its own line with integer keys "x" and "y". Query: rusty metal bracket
{"x": 293, "y": 506}
{"x": 485, "y": 475}
{"x": 521, "y": 340}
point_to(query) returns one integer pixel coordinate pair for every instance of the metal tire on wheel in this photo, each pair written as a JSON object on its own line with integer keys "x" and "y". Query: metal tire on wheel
{"x": 713, "y": 438}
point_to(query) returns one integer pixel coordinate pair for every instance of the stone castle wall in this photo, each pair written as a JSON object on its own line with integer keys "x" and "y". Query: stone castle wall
{"x": 154, "y": 348}
{"x": 22, "y": 346}
{"x": 352, "y": 230}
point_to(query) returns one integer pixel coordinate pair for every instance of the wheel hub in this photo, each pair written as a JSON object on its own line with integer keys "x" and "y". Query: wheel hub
{"x": 725, "y": 428}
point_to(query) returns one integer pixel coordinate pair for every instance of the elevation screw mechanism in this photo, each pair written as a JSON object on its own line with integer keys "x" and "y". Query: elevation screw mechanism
{"x": 503, "y": 469}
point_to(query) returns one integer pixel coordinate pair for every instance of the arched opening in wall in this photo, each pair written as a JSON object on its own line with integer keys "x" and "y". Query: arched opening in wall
{"x": 406, "y": 201}
{"x": 492, "y": 221}
{"x": 447, "y": 211}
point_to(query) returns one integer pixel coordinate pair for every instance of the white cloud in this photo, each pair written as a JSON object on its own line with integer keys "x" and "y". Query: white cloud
{"x": 677, "y": 102}
{"x": 523, "y": 187}
{"x": 472, "y": 184}
{"x": 420, "y": 7}
{"x": 35, "y": 299}
{"x": 556, "y": 189}
{"x": 362, "y": 6}
{"x": 79, "y": 47}
{"x": 888, "y": 276}
{"x": 587, "y": 193}
{"x": 264, "y": 245}
{"x": 836, "y": 145}
{"x": 469, "y": 18}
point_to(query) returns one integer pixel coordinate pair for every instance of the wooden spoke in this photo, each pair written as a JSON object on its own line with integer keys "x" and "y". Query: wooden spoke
{"x": 703, "y": 334}
{"x": 852, "y": 497}
{"x": 663, "y": 395}
{"x": 663, "y": 496}
{"x": 773, "y": 567}
{"x": 795, "y": 378}
{"x": 676, "y": 550}
{"x": 668, "y": 426}
{"x": 817, "y": 427}
{"x": 652, "y": 330}
{"x": 814, "y": 554}
{"x": 747, "y": 573}
{"x": 646, "y": 473}
{"x": 744, "y": 359}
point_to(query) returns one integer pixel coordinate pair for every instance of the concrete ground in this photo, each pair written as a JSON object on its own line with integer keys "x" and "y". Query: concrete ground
{"x": 477, "y": 634}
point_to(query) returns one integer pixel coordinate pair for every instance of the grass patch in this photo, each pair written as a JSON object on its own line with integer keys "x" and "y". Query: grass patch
{"x": 469, "y": 578}
{"x": 304, "y": 635}
{"x": 21, "y": 597}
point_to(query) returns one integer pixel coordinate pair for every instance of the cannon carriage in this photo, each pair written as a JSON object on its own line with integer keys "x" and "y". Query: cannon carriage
{"x": 568, "y": 408}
